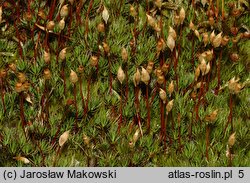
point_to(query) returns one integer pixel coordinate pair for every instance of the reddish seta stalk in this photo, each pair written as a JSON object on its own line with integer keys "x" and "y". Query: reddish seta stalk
{"x": 133, "y": 42}
{"x": 199, "y": 99}
{"x": 32, "y": 29}
{"x": 218, "y": 73}
{"x": 162, "y": 108}
{"x": 45, "y": 103}
{"x": 231, "y": 112}
{"x": 110, "y": 76}
{"x": 164, "y": 132}
{"x": 20, "y": 51}
{"x": 191, "y": 124}
{"x": 230, "y": 157}
{"x": 81, "y": 92}
{"x": 175, "y": 59}
{"x": 63, "y": 77}
{"x": 28, "y": 6}
{"x": 2, "y": 94}
{"x": 137, "y": 107}
{"x": 98, "y": 53}
{"x": 75, "y": 102}
{"x": 88, "y": 95}
{"x": 22, "y": 116}
{"x": 70, "y": 21}
{"x": 148, "y": 109}
{"x": 222, "y": 10}
{"x": 154, "y": 92}
{"x": 42, "y": 103}
{"x": 207, "y": 141}
{"x": 78, "y": 13}
{"x": 166, "y": 124}
{"x": 58, "y": 46}
{"x": 217, "y": 11}
{"x": 127, "y": 88}
{"x": 35, "y": 43}
{"x": 179, "y": 131}
{"x": 120, "y": 118}
{"x": 46, "y": 45}
{"x": 230, "y": 117}
{"x": 33, "y": 40}
{"x": 147, "y": 5}
{"x": 193, "y": 3}
{"x": 209, "y": 77}
{"x": 87, "y": 21}
{"x": 51, "y": 10}
{"x": 193, "y": 36}
{"x": 163, "y": 124}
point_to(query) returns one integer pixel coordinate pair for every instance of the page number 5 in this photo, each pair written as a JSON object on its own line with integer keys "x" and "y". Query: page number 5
{"x": 241, "y": 174}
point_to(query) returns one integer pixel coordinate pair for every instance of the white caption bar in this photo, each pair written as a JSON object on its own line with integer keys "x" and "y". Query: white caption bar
{"x": 125, "y": 175}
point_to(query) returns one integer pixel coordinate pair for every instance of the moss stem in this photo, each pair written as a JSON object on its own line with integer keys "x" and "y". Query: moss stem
{"x": 75, "y": 102}
{"x": 148, "y": 109}
{"x": 163, "y": 123}
{"x": 230, "y": 116}
{"x": 218, "y": 73}
{"x": 22, "y": 116}
{"x": 179, "y": 131}
{"x": 2, "y": 94}
{"x": 88, "y": 95}
{"x": 81, "y": 92}
{"x": 207, "y": 141}
{"x": 52, "y": 9}
{"x": 121, "y": 106}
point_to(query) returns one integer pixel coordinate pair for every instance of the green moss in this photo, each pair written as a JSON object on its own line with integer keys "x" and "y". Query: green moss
{"x": 52, "y": 109}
